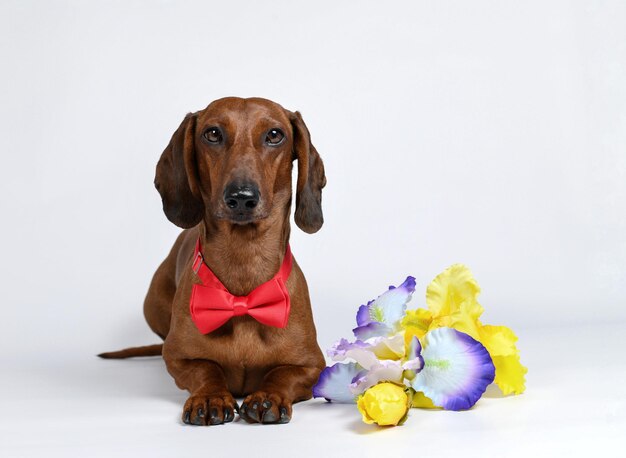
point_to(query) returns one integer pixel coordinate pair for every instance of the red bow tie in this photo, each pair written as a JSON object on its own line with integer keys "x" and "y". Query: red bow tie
{"x": 212, "y": 304}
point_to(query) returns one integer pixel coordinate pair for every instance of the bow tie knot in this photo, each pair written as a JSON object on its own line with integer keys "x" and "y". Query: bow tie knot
{"x": 240, "y": 307}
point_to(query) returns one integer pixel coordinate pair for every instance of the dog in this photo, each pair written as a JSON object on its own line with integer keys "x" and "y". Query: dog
{"x": 226, "y": 178}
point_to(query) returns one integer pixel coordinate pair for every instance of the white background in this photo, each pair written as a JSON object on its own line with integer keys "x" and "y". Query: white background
{"x": 489, "y": 133}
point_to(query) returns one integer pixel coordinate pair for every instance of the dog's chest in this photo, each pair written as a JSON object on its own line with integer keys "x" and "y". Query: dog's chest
{"x": 244, "y": 341}
{"x": 246, "y": 350}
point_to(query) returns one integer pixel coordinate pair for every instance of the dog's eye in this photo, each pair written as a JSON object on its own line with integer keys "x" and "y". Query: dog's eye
{"x": 274, "y": 137}
{"x": 213, "y": 135}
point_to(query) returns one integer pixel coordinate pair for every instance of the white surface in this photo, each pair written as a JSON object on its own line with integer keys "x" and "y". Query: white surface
{"x": 79, "y": 405}
{"x": 491, "y": 133}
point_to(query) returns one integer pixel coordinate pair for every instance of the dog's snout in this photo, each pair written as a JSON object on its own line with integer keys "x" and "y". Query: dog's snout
{"x": 242, "y": 197}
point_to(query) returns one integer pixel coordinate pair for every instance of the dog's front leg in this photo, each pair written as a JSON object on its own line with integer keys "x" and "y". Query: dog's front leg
{"x": 281, "y": 387}
{"x": 210, "y": 402}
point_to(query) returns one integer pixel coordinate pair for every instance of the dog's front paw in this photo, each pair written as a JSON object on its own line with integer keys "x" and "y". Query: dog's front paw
{"x": 264, "y": 407}
{"x": 202, "y": 410}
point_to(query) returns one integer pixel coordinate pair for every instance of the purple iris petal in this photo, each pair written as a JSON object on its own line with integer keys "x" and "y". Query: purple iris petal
{"x": 359, "y": 376}
{"x": 383, "y": 371}
{"x": 334, "y": 382}
{"x": 457, "y": 369}
{"x": 415, "y": 361}
{"x": 363, "y": 315}
{"x": 373, "y": 329}
{"x": 408, "y": 285}
{"x": 393, "y": 302}
{"x": 342, "y": 346}
{"x": 380, "y": 316}
{"x": 359, "y": 351}
{"x": 415, "y": 348}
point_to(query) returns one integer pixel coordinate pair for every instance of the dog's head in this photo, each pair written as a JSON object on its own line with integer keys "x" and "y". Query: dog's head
{"x": 232, "y": 162}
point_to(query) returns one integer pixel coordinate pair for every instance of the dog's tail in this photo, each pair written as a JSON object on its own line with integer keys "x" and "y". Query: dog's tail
{"x": 147, "y": 350}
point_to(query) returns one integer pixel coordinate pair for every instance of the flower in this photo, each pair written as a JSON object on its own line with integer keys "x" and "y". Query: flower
{"x": 377, "y": 359}
{"x": 334, "y": 381}
{"x": 382, "y": 316}
{"x": 383, "y": 371}
{"x": 385, "y": 404}
{"x": 360, "y": 351}
{"x": 452, "y": 302}
{"x": 440, "y": 357}
{"x": 457, "y": 369}
{"x": 369, "y": 352}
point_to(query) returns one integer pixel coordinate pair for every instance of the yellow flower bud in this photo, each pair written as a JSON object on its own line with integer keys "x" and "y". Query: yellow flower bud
{"x": 385, "y": 404}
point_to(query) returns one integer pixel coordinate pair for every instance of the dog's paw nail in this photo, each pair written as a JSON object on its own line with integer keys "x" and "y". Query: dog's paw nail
{"x": 215, "y": 419}
{"x": 200, "y": 412}
{"x": 284, "y": 418}
{"x": 228, "y": 415}
{"x": 187, "y": 417}
{"x": 253, "y": 412}
{"x": 269, "y": 417}
{"x": 267, "y": 404}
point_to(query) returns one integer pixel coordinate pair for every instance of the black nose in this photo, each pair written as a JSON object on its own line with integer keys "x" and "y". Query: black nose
{"x": 241, "y": 196}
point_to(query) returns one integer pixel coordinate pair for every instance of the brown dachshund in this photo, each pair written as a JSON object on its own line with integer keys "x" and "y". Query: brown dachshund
{"x": 225, "y": 177}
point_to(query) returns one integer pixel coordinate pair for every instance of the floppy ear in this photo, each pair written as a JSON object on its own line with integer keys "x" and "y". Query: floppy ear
{"x": 177, "y": 177}
{"x": 311, "y": 178}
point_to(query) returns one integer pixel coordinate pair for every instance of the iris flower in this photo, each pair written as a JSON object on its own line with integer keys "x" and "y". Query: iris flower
{"x": 387, "y": 370}
{"x": 457, "y": 369}
{"x": 453, "y": 370}
{"x": 444, "y": 356}
{"x": 382, "y": 316}
{"x": 334, "y": 382}
{"x": 452, "y": 302}
{"x": 377, "y": 359}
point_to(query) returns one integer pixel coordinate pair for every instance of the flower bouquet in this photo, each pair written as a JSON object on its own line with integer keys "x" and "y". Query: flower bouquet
{"x": 439, "y": 357}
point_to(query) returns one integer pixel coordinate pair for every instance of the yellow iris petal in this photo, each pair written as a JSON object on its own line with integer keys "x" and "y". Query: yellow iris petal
{"x": 510, "y": 374}
{"x": 385, "y": 404}
{"x": 451, "y": 288}
{"x": 421, "y": 401}
{"x": 416, "y": 323}
{"x": 464, "y": 320}
{"x": 499, "y": 340}
{"x": 500, "y": 343}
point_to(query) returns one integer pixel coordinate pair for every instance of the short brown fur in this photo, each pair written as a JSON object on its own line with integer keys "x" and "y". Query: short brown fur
{"x": 271, "y": 367}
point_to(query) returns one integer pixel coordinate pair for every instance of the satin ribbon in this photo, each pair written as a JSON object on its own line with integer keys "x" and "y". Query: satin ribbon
{"x": 212, "y": 305}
